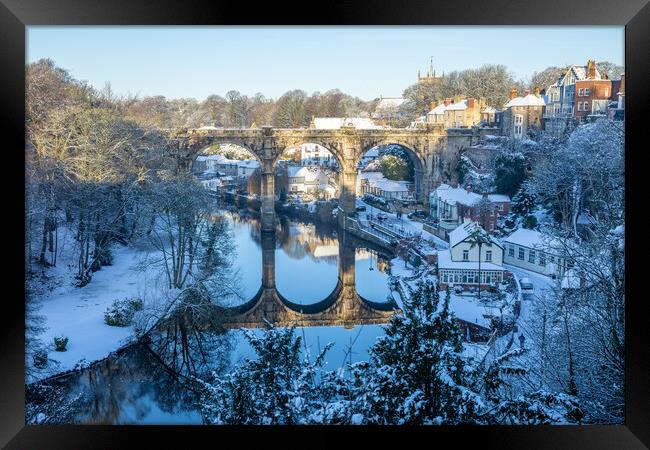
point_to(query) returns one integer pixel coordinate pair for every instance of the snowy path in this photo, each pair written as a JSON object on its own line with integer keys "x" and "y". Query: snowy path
{"x": 540, "y": 282}
{"x": 78, "y": 313}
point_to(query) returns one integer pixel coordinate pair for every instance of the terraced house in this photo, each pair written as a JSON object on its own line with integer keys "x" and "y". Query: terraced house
{"x": 531, "y": 250}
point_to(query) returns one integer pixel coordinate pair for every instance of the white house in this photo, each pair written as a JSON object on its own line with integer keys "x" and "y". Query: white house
{"x": 315, "y": 155}
{"x": 531, "y": 250}
{"x": 376, "y": 184}
{"x": 304, "y": 179}
{"x": 460, "y": 263}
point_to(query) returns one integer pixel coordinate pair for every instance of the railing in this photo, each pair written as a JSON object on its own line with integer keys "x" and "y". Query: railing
{"x": 391, "y": 229}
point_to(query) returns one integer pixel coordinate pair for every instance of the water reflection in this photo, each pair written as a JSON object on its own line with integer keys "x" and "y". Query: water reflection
{"x": 132, "y": 387}
{"x": 306, "y": 264}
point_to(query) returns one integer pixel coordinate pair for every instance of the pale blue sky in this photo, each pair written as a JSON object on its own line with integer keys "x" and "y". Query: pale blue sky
{"x": 362, "y": 61}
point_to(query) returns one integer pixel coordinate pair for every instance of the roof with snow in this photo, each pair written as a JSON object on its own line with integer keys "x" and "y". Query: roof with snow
{"x": 389, "y": 103}
{"x": 249, "y": 163}
{"x": 458, "y": 106}
{"x": 371, "y": 176}
{"x": 452, "y": 195}
{"x": 498, "y": 198}
{"x": 438, "y": 110}
{"x": 530, "y": 239}
{"x": 529, "y": 100}
{"x": 309, "y": 173}
{"x": 334, "y": 123}
{"x": 390, "y": 185}
{"x": 581, "y": 72}
{"x": 464, "y": 230}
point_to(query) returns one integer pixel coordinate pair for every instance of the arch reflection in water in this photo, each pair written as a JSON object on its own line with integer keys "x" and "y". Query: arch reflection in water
{"x": 342, "y": 305}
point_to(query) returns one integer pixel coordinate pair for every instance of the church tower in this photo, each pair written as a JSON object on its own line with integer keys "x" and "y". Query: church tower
{"x": 425, "y": 85}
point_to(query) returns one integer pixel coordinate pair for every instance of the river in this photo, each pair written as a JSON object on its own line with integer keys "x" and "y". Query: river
{"x": 134, "y": 387}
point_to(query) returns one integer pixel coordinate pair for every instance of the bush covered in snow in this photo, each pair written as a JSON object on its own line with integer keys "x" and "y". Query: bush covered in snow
{"x": 60, "y": 343}
{"x": 121, "y": 312}
{"x": 40, "y": 358}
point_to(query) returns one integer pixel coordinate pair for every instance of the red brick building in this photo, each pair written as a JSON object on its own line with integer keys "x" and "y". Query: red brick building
{"x": 592, "y": 95}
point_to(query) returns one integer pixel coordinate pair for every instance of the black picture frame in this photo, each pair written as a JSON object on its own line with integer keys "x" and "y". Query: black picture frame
{"x": 15, "y": 15}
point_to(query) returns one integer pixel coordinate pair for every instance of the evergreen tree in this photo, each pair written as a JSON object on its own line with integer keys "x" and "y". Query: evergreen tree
{"x": 416, "y": 373}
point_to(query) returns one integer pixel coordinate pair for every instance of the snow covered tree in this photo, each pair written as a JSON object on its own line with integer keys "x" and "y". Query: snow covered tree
{"x": 280, "y": 387}
{"x": 523, "y": 203}
{"x": 416, "y": 373}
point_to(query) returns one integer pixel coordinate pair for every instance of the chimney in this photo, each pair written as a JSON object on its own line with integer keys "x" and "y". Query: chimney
{"x": 526, "y": 92}
{"x": 470, "y": 102}
{"x": 536, "y": 91}
{"x": 469, "y": 188}
{"x": 513, "y": 93}
{"x": 591, "y": 69}
{"x": 447, "y": 101}
{"x": 433, "y": 104}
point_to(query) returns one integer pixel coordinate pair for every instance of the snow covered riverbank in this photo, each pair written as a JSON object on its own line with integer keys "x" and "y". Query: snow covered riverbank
{"x": 78, "y": 313}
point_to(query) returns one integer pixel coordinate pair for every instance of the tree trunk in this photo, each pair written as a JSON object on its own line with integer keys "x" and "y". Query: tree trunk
{"x": 42, "y": 258}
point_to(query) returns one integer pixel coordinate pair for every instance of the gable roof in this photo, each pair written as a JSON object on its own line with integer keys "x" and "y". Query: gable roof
{"x": 530, "y": 239}
{"x": 463, "y": 231}
{"x": 438, "y": 110}
{"x": 452, "y": 195}
{"x": 529, "y": 100}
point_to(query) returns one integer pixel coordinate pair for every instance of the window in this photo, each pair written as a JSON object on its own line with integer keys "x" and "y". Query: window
{"x": 521, "y": 254}
{"x": 465, "y": 255}
{"x": 586, "y": 106}
{"x": 511, "y": 251}
{"x": 552, "y": 258}
{"x": 586, "y": 92}
{"x": 531, "y": 256}
{"x": 580, "y": 91}
{"x": 606, "y": 92}
{"x": 488, "y": 255}
{"x": 542, "y": 259}
{"x": 518, "y": 127}
{"x": 579, "y": 106}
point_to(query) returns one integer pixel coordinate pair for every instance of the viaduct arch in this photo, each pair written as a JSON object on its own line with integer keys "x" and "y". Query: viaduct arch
{"x": 426, "y": 147}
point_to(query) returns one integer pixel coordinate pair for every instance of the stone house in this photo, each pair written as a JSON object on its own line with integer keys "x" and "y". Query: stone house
{"x": 522, "y": 113}
{"x": 457, "y": 113}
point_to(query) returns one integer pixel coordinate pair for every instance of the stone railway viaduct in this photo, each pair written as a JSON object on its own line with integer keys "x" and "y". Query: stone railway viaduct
{"x": 427, "y": 148}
